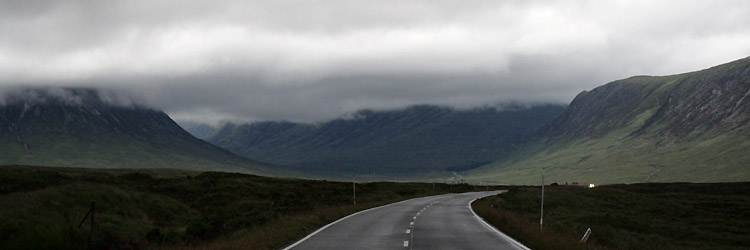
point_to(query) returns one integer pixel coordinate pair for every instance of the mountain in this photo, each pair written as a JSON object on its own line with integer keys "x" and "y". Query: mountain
{"x": 415, "y": 140}
{"x": 689, "y": 127}
{"x": 80, "y": 128}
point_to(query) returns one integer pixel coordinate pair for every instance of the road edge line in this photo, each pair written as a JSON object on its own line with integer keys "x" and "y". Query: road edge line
{"x": 337, "y": 221}
{"x": 514, "y": 241}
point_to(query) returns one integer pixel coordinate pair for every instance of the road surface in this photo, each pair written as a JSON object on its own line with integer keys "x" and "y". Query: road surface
{"x": 435, "y": 222}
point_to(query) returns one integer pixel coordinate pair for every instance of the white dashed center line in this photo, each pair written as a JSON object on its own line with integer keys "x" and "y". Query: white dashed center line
{"x": 406, "y": 243}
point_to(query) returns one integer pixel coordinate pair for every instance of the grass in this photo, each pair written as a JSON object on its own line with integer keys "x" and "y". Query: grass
{"x": 637, "y": 216}
{"x": 616, "y": 158}
{"x": 120, "y": 150}
{"x": 41, "y": 207}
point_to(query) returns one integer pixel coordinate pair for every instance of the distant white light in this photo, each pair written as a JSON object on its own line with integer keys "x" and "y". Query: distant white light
{"x": 592, "y": 185}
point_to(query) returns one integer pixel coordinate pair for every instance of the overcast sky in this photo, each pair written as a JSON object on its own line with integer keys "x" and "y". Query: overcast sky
{"x": 315, "y": 60}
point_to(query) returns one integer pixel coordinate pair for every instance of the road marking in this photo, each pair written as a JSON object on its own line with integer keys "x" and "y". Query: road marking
{"x": 337, "y": 221}
{"x": 408, "y": 230}
{"x": 414, "y": 218}
{"x": 406, "y": 243}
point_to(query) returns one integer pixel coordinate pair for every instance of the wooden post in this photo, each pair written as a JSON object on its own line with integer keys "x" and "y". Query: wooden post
{"x": 93, "y": 212}
{"x": 541, "y": 219}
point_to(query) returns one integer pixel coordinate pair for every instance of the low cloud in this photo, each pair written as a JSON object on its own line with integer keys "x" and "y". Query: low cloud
{"x": 309, "y": 61}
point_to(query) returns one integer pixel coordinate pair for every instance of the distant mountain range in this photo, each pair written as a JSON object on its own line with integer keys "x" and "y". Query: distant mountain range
{"x": 75, "y": 127}
{"x": 414, "y": 141}
{"x": 692, "y": 127}
{"x": 689, "y": 127}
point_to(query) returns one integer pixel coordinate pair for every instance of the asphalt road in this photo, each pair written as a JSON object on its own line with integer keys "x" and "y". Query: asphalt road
{"x": 435, "y": 222}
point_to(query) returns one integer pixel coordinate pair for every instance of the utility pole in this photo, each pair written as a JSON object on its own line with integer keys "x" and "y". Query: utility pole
{"x": 354, "y": 189}
{"x": 433, "y": 187}
{"x": 541, "y": 220}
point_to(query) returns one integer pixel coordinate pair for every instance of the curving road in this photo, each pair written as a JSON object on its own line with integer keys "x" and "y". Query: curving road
{"x": 435, "y": 222}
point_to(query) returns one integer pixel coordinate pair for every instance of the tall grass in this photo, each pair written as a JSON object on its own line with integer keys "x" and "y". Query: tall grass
{"x": 639, "y": 216}
{"x": 41, "y": 208}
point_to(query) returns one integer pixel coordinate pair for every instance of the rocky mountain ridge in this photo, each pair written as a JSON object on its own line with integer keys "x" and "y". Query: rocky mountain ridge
{"x": 692, "y": 127}
{"x": 710, "y": 100}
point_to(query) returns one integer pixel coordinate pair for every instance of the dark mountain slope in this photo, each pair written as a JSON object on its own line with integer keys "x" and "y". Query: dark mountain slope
{"x": 418, "y": 139}
{"x": 687, "y": 127}
{"x": 74, "y": 127}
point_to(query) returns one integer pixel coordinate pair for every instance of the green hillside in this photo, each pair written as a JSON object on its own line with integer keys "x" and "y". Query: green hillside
{"x": 75, "y": 128}
{"x": 688, "y": 127}
{"x": 416, "y": 141}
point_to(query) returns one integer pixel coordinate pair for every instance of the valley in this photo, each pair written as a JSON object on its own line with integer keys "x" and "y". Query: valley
{"x": 415, "y": 125}
{"x": 418, "y": 141}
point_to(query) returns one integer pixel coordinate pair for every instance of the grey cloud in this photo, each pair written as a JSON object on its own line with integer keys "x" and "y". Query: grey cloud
{"x": 38, "y": 95}
{"x": 315, "y": 60}
{"x": 77, "y": 95}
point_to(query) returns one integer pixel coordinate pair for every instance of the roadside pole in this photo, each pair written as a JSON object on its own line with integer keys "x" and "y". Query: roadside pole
{"x": 354, "y": 189}
{"x": 541, "y": 219}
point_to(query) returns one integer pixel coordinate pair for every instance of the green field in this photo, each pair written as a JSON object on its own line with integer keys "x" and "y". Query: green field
{"x": 41, "y": 207}
{"x": 638, "y": 216}
{"x": 619, "y": 158}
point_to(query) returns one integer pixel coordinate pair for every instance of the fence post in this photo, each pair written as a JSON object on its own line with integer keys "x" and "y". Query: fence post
{"x": 93, "y": 212}
{"x": 89, "y": 213}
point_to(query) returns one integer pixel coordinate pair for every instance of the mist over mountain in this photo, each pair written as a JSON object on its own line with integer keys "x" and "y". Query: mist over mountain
{"x": 197, "y": 129}
{"x": 79, "y": 127}
{"x": 416, "y": 140}
{"x": 687, "y": 127}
